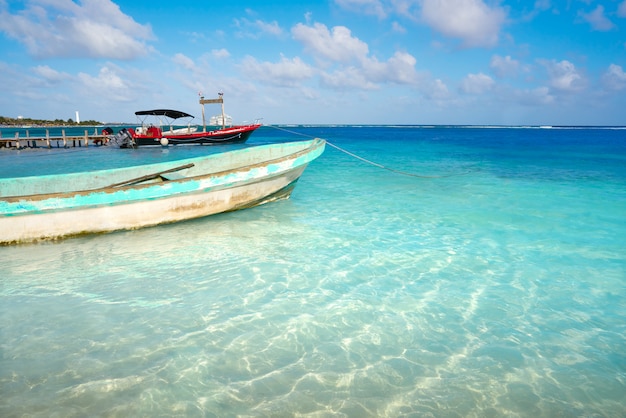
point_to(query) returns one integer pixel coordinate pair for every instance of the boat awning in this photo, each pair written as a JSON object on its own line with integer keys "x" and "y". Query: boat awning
{"x": 174, "y": 114}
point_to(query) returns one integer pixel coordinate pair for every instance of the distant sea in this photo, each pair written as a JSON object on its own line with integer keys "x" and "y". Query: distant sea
{"x": 415, "y": 272}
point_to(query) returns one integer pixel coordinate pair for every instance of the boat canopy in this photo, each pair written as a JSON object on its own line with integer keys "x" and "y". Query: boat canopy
{"x": 169, "y": 113}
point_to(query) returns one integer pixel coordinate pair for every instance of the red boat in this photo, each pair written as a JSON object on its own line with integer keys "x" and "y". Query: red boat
{"x": 169, "y": 130}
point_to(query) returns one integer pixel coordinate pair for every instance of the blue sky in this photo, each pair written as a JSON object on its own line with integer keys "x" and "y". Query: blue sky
{"x": 501, "y": 62}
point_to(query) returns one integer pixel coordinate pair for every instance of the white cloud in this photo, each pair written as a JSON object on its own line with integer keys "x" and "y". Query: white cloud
{"x": 184, "y": 61}
{"x": 597, "y": 19}
{"x": 542, "y": 5}
{"x": 534, "y": 97}
{"x": 193, "y": 71}
{"x": 564, "y": 76}
{"x": 472, "y": 21}
{"x": 271, "y": 28}
{"x": 504, "y": 66}
{"x": 371, "y": 73}
{"x": 437, "y": 90}
{"x": 398, "y": 28}
{"x": 220, "y": 53}
{"x": 399, "y": 69}
{"x": 539, "y": 7}
{"x": 106, "y": 79}
{"x": 614, "y": 77}
{"x": 477, "y": 83}
{"x": 370, "y": 7}
{"x": 109, "y": 83}
{"x": 347, "y": 79}
{"x": 337, "y": 45}
{"x": 256, "y": 28}
{"x": 67, "y": 29}
{"x": 286, "y": 73}
{"x": 50, "y": 75}
{"x": 621, "y": 9}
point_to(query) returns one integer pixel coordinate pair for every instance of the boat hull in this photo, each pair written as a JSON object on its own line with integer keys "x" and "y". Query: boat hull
{"x": 268, "y": 174}
{"x": 234, "y": 135}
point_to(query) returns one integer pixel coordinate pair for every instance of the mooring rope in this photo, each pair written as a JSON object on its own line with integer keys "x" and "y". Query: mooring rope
{"x": 393, "y": 170}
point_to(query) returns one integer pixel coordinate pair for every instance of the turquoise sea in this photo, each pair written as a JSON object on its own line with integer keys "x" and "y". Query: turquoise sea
{"x": 415, "y": 272}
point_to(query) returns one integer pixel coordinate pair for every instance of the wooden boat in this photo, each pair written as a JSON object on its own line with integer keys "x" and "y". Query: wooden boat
{"x": 155, "y": 134}
{"x": 55, "y": 206}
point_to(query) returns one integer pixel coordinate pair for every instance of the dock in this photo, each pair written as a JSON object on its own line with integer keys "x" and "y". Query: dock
{"x": 47, "y": 141}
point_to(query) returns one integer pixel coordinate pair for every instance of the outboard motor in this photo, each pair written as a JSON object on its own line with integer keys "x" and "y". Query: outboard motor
{"x": 123, "y": 139}
{"x": 106, "y": 137}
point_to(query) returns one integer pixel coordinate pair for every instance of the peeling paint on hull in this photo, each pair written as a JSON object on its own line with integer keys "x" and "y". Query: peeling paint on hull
{"x": 251, "y": 177}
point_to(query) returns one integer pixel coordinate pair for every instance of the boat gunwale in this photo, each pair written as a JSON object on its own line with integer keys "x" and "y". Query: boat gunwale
{"x": 238, "y": 129}
{"x": 314, "y": 143}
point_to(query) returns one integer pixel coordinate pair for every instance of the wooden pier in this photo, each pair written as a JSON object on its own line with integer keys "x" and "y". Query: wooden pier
{"x": 63, "y": 141}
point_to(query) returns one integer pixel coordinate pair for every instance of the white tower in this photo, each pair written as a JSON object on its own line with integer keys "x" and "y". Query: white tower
{"x": 77, "y": 117}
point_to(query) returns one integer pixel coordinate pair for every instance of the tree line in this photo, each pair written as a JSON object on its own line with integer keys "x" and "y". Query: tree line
{"x": 43, "y": 122}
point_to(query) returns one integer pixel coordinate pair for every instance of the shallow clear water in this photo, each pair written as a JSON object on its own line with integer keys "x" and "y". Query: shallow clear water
{"x": 491, "y": 283}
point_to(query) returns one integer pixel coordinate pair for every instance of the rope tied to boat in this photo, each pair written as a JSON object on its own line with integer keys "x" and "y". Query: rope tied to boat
{"x": 372, "y": 163}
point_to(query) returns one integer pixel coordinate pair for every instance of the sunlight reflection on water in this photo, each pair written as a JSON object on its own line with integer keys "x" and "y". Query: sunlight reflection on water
{"x": 363, "y": 295}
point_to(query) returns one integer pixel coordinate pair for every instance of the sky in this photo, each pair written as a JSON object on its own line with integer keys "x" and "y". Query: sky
{"x": 422, "y": 62}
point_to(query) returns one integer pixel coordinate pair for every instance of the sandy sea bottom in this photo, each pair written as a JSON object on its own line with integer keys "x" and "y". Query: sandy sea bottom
{"x": 493, "y": 288}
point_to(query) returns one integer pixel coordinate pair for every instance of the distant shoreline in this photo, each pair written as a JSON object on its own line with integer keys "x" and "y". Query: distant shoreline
{"x": 43, "y": 123}
{"x": 48, "y": 126}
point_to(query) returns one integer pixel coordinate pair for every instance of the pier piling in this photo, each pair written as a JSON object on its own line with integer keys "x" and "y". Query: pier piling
{"x": 27, "y": 141}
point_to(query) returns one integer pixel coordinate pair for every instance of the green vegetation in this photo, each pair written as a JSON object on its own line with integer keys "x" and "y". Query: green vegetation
{"x": 41, "y": 122}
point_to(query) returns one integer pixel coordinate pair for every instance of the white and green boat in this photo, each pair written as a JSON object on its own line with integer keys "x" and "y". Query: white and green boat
{"x": 61, "y": 205}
